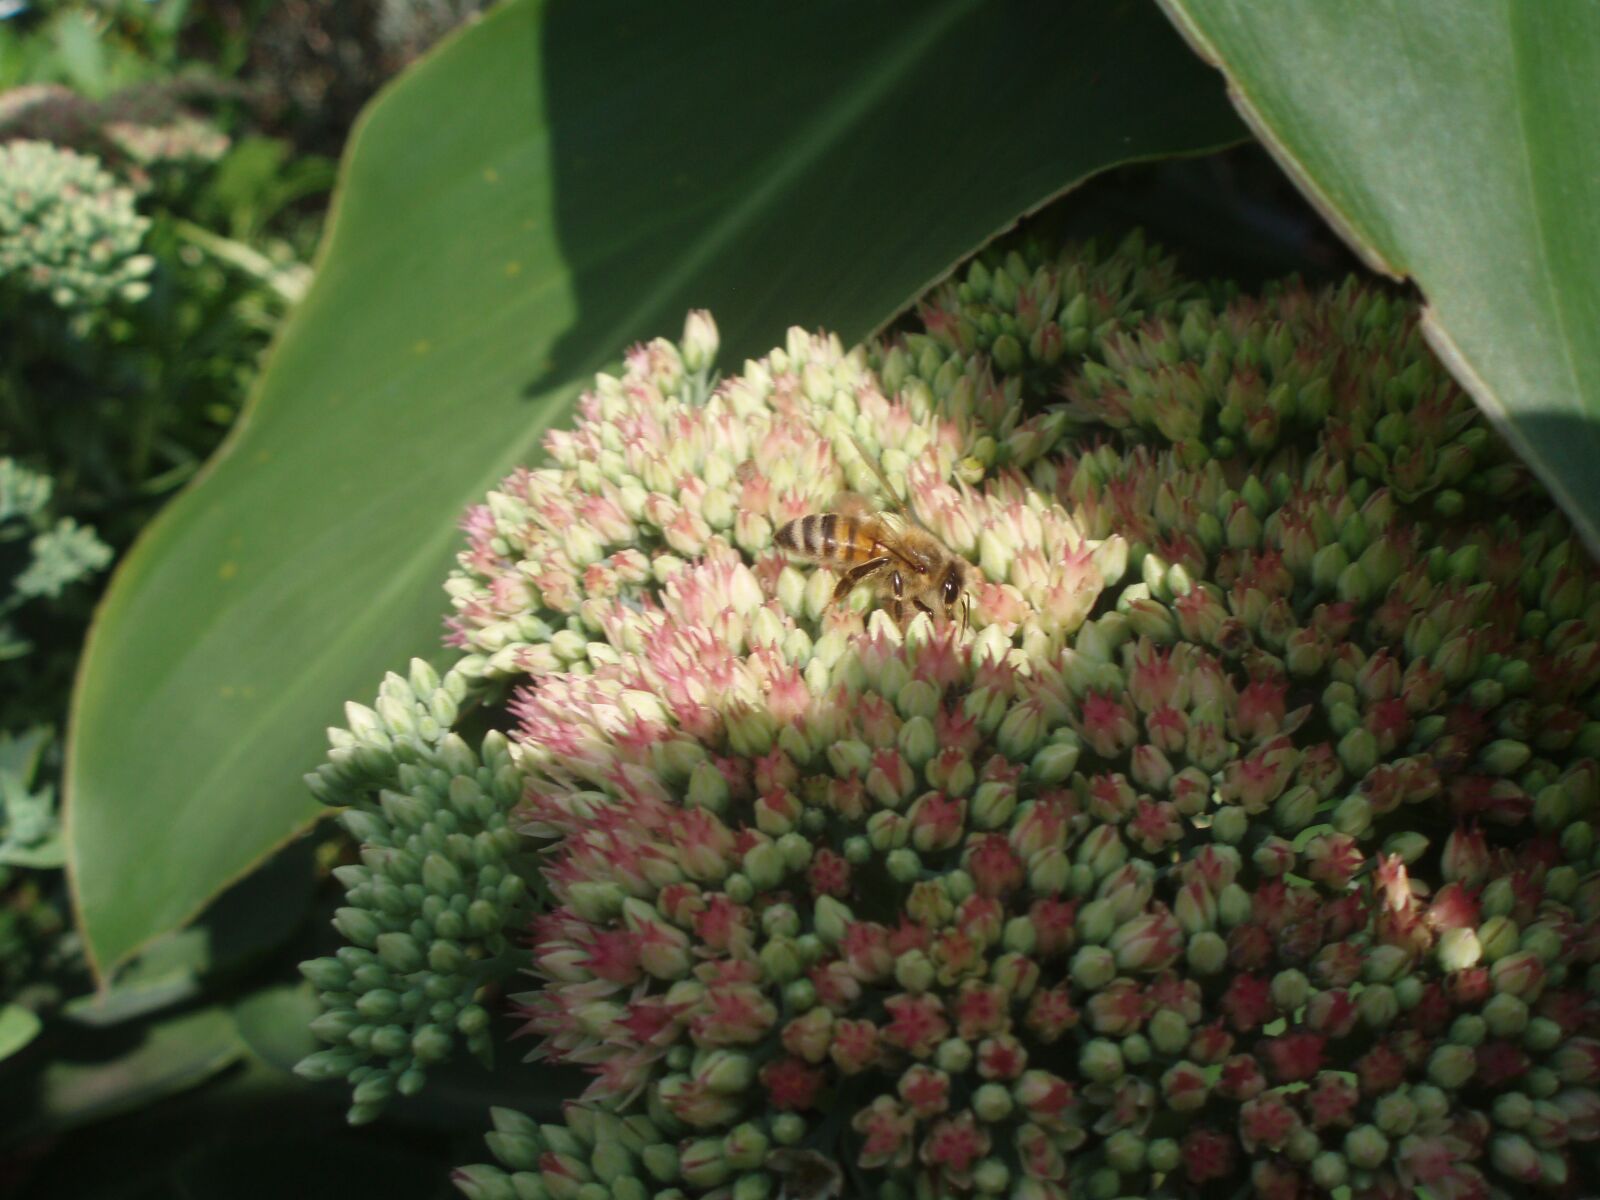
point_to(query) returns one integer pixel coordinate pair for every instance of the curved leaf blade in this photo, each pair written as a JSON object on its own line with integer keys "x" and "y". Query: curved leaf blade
{"x": 1457, "y": 150}
{"x": 552, "y": 184}
{"x": 18, "y": 1027}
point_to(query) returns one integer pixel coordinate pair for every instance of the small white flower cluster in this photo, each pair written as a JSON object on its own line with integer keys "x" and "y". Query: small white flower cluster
{"x": 68, "y": 230}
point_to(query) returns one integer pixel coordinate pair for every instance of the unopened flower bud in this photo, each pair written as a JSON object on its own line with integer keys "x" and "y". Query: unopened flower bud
{"x": 1206, "y": 953}
{"x": 1100, "y": 1061}
{"x": 1229, "y": 825}
{"x": 1514, "y": 1156}
{"x": 1450, "y": 1066}
{"x": 1094, "y": 966}
{"x": 1366, "y": 1147}
{"x": 1290, "y": 990}
{"x": 1378, "y": 1006}
{"x": 1459, "y": 949}
{"x": 1168, "y": 1031}
{"x": 1520, "y": 974}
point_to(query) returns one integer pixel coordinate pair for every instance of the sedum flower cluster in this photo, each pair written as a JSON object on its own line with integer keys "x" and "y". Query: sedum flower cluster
{"x": 138, "y": 129}
{"x": 68, "y": 230}
{"x": 1242, "y": 843}
{"x": 41, "y": 558}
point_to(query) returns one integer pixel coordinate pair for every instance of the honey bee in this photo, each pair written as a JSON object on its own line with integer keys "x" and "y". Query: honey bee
{"x": 905, "y": 565}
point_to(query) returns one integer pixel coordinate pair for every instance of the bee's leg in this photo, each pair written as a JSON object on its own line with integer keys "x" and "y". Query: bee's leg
{"x": 897, "y": 607}
{"x": 848, "y": 581}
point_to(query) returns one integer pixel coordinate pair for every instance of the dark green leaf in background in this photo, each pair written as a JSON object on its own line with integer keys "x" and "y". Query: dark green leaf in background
{"x": 559, "y": 181}
{"x": 18, "y": 1027}
{"x": 1454, "y": 145}
{"x": 169, "y": 1057}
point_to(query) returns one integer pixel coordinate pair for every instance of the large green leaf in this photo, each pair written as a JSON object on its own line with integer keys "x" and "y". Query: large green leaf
{"x": 555, "y": 183}
{"x": 1454, "y": 145}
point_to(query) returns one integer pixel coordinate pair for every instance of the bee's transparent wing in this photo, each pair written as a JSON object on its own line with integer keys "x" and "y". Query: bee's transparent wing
{"x": 853, "y": 504}
{"x": 888, "y": 490}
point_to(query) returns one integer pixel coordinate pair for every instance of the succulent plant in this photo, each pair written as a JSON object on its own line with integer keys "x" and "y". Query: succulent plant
{"x": 68, "y": 230}
{"x": 1246, "y": 838}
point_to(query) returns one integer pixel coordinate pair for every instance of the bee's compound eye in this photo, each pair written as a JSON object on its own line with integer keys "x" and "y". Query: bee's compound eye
{"x": 952, "y": 589}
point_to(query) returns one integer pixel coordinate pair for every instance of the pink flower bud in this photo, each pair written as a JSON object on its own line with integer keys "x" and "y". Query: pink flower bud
{"x": 887, "y": 1134}
{"x": 1147, "y": 943}
{"x": 1266, "y": 1121}
{"x": 1195, "y": 907}
{"x": 1241, "y": 1078}
{"x": 1184, "y": 1087}
{"x": 1465, "y": 858}
{"x": 1577, "y": 1061}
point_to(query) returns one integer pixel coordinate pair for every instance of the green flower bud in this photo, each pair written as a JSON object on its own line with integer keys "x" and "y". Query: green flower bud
{"x": 1094, "y": 966}
{"x": 992, "y": 1102}
{"x": 1384, "y": 964}
{"x": 831, "y": 918}
{"x": 953, "y": 1056}
{"x": 1514, "y": 1156}
{"x": 1408, "y": 992}
{"x": 1103, "y": 1184}
{"x": 990, "y": 1176}
{"x": 1295, "y": 809}
{"x": 1206, "y": 953}
{"x": 326, "y": 974}
{"x": 661, "y": 1161}
{"x": 1366, "y": 1147}
{"x": 1469, "y": 1029}
{"x": 1125, "y": 1151}
{"x": 1459, "y": 949}
{"x": 1505, "y": 1015}
{"x": 1163, "y": 1154}
{"x": 1497, "y": 937}
{"x": 1358, "y": 752}
{"x": 1327, "y": 565}
{"x": 358, "y": 926}
{"x": 1100, "y": 1061}
{"x": 1378, "y": 1005}
{"x": 1054, "y": 762}
{"x": 1097, "y": 920}
{"x": 1290, "y": 990}
{"x": 1353, "y": 816}
{"x": 703, "y": 1164}
{"x": 1136, "y": 1049}
{"x": 1168, "y": 1031}
{"x": 1408, "y": 845}
{"x": 1451, "y": 1066}
{"x": 1541, "y": 1083}
{"x": 1542, "y": 1035}
{"x": 1543, "y": 941}
{"x": 1229, "y": 825}
{"x": 1432, "y": 1102}
{"x": 1498, "y": 899}
{"x": 708, "y": 788}
{"x": 1512, "y": 1109}
{"x": 1329, "y": 1170}
{"x": 1578, "y": 841}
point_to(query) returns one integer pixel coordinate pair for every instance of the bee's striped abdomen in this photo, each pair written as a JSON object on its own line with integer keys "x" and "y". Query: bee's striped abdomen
{"x": 828, "y": 537}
